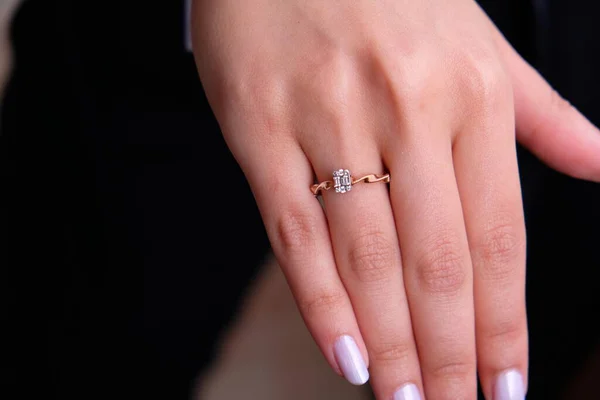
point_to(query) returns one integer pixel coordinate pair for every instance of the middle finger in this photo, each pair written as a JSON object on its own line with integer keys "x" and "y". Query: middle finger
{"x": 436, "y": 258}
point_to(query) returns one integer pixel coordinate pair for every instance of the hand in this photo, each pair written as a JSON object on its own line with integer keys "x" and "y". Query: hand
{"x": 423, "y": 282}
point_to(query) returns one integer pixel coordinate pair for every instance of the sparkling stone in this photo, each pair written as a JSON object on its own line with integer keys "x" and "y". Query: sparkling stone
{"x": 346, "y": 180}
{"x": 342, "y": 181}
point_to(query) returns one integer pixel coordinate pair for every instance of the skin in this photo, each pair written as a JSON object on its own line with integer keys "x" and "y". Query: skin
{"x": 428, "y": 274}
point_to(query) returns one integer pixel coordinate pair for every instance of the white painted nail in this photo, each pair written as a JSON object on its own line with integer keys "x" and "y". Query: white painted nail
{"x": 509, "y": 386}
{"x": 407, "y": 392}
{"x": 350, "y": 360}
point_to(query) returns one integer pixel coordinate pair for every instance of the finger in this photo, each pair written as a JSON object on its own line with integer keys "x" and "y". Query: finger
{"x": 437, "y": 266}
{"x": 486, "y": 169}
{"x": 298, "y": 231}
{"x": 366, "y": 250}
{"x": 547, "y": 124}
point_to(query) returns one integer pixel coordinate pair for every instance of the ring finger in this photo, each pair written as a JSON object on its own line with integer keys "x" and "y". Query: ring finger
{"x": 367, "y": 254}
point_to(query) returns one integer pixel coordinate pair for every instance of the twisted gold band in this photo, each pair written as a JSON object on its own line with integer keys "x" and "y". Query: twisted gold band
{"x": 343, "y": 182}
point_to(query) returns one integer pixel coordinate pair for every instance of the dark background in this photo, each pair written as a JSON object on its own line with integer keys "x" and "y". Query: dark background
{"x": 120, "y": 268}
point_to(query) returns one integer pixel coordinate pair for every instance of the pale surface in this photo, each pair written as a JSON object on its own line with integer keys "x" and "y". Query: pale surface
{"x": 270, "y": 355}
{"x": 6, "y": 10}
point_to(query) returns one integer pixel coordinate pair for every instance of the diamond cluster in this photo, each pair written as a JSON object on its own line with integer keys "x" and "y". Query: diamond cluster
{"x": 342, "y": 182}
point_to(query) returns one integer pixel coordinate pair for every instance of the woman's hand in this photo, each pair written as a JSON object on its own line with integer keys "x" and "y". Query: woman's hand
{"x": 423, "y": 282}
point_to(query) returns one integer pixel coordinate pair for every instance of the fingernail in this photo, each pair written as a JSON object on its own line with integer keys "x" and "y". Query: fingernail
{"x": 509, "y": 386}
{"x": 407, "y": 392}
{"x": 350, "y": 360}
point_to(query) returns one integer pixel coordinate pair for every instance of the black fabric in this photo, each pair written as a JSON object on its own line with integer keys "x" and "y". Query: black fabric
{"x": 122, "y": 267}
{"x": 120, "y": 270}
{"x": 562, "y": 214}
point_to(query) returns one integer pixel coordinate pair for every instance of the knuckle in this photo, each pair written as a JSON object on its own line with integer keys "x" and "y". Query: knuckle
{"x": 507, "y": 331}
{"x": 558, "y": 103}
{"x": 484, "y": 83}
{"x": 482, "y": 78}
{"x": 333, "y": 74}
{"x": 419, "y": 92}
{"x": 242, "y": 90}
{"x": 372, "y": 255}
{"x": 324, "y": 302}
{"x": 556, "y": 106}
{"x": 264, "y": 98}
{"x": 452, "y": 368}
{"x": 442, "y": 267}
{"x": 397, "y": 352}
{"x": 270, "y": 117}
{"x": 296, "y": 231}
{"x": 501, "y": 250}
{"x": 417, "y": 87}
{"x": 337, "y": 79}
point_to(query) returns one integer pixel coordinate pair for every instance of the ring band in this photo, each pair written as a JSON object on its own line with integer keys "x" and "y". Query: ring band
{"x": 343, "y": 182}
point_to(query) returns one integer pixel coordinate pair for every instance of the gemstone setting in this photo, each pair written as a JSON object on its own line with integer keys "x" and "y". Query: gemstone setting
{"x": 342, "y": 182}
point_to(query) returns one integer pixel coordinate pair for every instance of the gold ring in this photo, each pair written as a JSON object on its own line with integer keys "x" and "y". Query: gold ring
{"x": 343, "y": 182}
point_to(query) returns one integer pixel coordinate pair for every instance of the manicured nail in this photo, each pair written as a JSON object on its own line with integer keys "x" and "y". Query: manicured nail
{"x": 350, "y": 360}
{"x": 509, "y": 386}
{"x": 407, "y": 392}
